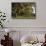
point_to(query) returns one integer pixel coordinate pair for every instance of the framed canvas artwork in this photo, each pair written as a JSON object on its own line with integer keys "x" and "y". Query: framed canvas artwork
{"x": 23, "y": 10}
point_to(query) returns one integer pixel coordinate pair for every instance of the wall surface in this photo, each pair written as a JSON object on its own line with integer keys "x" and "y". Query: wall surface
{"x": 24, "y": 26}
{"x": 17, "y": 35}
{"x": 40, "y": 21}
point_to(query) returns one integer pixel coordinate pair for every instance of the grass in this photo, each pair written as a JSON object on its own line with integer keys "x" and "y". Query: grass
{"x": 25, "y": 17}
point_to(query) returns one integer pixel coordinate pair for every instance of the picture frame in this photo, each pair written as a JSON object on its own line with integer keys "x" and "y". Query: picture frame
{"x": 23, "y": 10}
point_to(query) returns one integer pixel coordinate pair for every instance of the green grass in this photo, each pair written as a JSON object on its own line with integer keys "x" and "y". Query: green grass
{"x": 25, "y": 17}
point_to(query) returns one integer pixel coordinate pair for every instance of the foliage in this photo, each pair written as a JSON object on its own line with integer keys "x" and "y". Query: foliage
{"x": 2, "y": 18}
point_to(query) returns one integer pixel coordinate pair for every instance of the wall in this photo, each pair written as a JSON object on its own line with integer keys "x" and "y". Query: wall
{"x": 40, "y": 21}
{"x": 16, "y": 35}
{"x": 26, "y": 25}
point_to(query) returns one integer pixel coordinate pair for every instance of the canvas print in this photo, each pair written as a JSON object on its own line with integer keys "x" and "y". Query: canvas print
{"x": 23, "y": 10}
